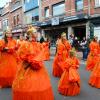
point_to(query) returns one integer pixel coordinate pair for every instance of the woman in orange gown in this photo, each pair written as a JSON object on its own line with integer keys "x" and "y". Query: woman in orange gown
{"x": 95, "y": 75}
{"x": 94, "y": 47}
{"x": 32, "y": 81}
{"x": 46, "y": 50}
{"x": 20, "y": 41}
{"x": 69, "y": 84}
{"x": 8, "y": 61}
{"x": 63, "y": 49}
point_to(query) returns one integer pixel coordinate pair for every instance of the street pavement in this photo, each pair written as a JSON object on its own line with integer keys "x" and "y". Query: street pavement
{"x": 87, "y": 92}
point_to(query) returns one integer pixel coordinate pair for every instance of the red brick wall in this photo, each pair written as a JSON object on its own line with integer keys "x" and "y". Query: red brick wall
{"x": 70, "y": 7}
{"x": 46, "y": 3}
{"x": 15, "y": 13}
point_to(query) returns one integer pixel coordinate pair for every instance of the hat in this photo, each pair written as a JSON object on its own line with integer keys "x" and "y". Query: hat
{"x": 63, "y": 34}
{"x": 31, "y": 30}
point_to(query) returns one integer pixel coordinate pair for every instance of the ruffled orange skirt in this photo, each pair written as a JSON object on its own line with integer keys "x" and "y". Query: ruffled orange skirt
{"x": 95, "y": 76}
{"x": 57, "y": 69}
{"x": 32, "y": 85}
{"x": 8, "y": 69}
{"x": 67, "y": 88}
{"x": 91, "y": 61}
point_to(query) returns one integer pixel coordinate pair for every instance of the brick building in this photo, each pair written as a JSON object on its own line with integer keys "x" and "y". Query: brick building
{"x": 71, "y": 16}
{"x": 1, "y": 30}
{"x": 16, "y": 17}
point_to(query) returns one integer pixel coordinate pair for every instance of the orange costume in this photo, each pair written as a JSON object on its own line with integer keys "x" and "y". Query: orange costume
{"x": 46, "y": 50}
{"x": 8, "y": 62}
{"x": 61, "y": 55}
{"x": 95, "y": 75}
{"x": 32, "y": 82}
{"x": 69, "y": 83}
{"x": 93, "y": 55}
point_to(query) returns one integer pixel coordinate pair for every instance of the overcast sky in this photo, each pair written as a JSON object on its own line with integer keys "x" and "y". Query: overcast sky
{"x": 3, "y": 2}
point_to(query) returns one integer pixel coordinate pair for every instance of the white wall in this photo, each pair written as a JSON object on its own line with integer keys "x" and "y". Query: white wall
{"x": 97, "y": 32}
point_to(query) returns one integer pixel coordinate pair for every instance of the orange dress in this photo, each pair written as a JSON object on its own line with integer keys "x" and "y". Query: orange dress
{"x": 69, "y": 83}
{"x": 32, "y": 83}
{"x": 46, "y": 51}
{"x": 95, "y": 75}
{"x": 8, "y": 63}
{"x": 94, "y": 47}
{"x": 61, "y": 55}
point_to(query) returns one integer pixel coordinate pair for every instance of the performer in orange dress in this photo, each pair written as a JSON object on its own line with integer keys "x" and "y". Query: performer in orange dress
{"x": 46, "y": 50}
{"x": 69, "y": 83}
{"x": 94, "y": 47}
{"x": 63, "y": 49}
{"x": 32, "y": 81}
{"x": 8, "y": 61}
{"x": 95, "y": 75}
{"x": 20, "y": 41}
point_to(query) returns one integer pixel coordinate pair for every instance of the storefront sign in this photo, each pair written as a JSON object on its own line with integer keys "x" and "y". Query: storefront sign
{"x": 55, "y": 21}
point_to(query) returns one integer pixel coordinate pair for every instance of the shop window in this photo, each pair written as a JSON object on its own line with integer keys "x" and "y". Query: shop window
{"x": 79, "y": 5}
{"x": 47, "y": 12}
{"x": 58, "y": 9}
{"x": 35, "y": 18}
{"x": 97, "y": 3}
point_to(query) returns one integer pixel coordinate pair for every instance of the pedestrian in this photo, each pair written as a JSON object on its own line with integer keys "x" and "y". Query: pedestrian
{"x": 94, "y": 47}
{"x": 42, "y": 39}
{"x": 63, "y": 49}
{"x": 75, "y": 43}
{"x": 83, "y": 45}
{"x": 95, "y": 75}
{"x": 69, "y": 84}
{"x": 8, "y": 61}
{"x": 32, "y": 81}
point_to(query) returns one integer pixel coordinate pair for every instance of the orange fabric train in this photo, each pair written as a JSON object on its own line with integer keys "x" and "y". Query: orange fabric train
{"x": 94, "y": 49}
{"x": 8, "y": 63}
{"x": 32, "y": 83}
{"x": 69, "y": 83}
{"x": 62, "y": 53}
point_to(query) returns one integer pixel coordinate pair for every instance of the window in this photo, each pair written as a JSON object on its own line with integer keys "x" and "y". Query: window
{"x": 17, "y": 19}
{"x": 97, "y": 3}
{"x": 47, "y": 12}
{"x": 35, "y": 18}
{"x": 59, "y": 9}
{"x": 79, "y": 5}
{"x": 14, "y": 20}
{"x": 5, "y": 23}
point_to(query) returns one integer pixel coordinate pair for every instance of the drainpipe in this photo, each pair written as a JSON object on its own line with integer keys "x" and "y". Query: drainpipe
{"x": 89, "y": 7}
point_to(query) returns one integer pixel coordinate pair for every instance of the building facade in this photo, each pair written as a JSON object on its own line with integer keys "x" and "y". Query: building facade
{"x": 16, "y": 17}
{"x": 6, "y": 17}
{"x": 70, "y": 16}
{"x": 31, "y": 11}
{"x": 1, "y": 30}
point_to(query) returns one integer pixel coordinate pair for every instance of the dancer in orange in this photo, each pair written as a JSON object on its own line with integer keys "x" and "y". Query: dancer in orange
{"x": 95, "y": 75}
{"x": 69, "y": 83}
{"x": 8, "y": 61}
{"x": 94, "y": 47}
{"x": 63, "y": 49}
{"x": 32, "y": 81}
{"x": 20, "y": 41}
{"x": 46, "y": 50}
